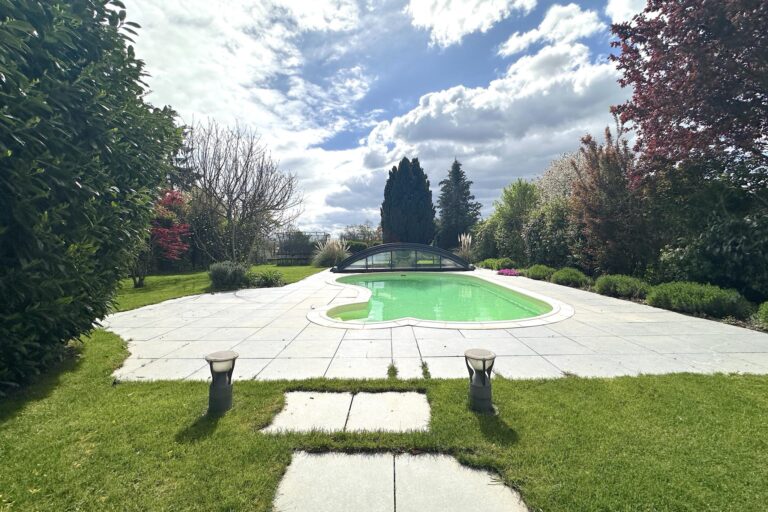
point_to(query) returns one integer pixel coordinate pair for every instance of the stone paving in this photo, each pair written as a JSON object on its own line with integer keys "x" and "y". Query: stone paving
{"x": 338, "y": 482}
{"x": 269, "y": 328}
{"x": 336, "y": 412}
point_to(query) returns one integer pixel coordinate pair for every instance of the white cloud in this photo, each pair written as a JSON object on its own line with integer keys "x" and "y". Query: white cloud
{"x": 623, "y": 10}
{"x": 561, "y": 24}
{"x": 511, "y": 128}
{"x": 450, "y": 20}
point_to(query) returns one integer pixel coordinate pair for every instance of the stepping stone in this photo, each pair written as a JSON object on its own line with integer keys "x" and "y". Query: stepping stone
{"x": 307, "y": 411}
{"x": 338, "y": 482}
{"x": 389, "y": 412}
{"x": 336, "y": 412}
{"x": 439, "y": 482}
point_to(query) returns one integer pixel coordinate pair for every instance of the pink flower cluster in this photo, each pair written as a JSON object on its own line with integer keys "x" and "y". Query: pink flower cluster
{"x": 509, "y": 272}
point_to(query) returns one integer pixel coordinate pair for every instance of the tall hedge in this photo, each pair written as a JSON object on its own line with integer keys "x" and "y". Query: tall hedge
{"x": 407, "y": 212}
{"x": 81, "y": 158}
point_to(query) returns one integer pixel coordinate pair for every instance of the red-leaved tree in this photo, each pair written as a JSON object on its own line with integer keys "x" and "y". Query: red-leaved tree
{"x": 699, "y": 72}
{"x": 168, "y": 235}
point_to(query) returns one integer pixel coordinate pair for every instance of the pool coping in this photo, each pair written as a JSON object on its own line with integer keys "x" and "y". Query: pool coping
{"x": 318, "y": 315}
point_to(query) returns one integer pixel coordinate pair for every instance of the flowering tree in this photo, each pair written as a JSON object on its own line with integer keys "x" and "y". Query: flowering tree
{"x": 168, "y": 235}
{"x": 699, "y": 74}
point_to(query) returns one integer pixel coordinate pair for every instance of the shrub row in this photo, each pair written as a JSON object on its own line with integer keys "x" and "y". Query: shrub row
{"x": 625, "y": 287}
{"x": 699, "y": 299}
{"x": 228, "y": 275}
{"x": 685, "y": 297}
{"x": 496, "y": 263}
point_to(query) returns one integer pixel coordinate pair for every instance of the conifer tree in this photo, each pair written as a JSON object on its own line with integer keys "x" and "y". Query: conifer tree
{"x": 407, "y": 213}
{"x": 459, "y": 211}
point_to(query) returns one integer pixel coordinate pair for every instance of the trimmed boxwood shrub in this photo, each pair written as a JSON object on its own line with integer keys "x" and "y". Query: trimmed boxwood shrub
{"x": 82, "y": 158}
{"x": 622, "y": 286}
{"x": 699, "y": 299}
{"x": 570, "y": 277}
{"x": 762, "y": 315}
{"x": 228, "y": 275}
{"x": 266, "y": 279}
{"x": 539, "y": 272}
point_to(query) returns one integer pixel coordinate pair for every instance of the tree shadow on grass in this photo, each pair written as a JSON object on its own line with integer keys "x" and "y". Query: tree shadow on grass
{"x": 18, "y": 399}
{"x": 496, "y": 430}
{"x": 202, "y": 427}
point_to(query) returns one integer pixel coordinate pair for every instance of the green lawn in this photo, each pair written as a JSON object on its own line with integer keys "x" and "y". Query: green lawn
{"x": 75, "y": 441}
{"x": 163, "y": 287}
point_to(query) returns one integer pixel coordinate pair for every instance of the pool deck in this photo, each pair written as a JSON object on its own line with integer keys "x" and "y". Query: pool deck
{"x": 269, "y": 328}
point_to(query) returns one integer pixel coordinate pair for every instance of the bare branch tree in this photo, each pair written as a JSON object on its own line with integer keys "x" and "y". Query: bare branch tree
{"x": 241, "y": 195}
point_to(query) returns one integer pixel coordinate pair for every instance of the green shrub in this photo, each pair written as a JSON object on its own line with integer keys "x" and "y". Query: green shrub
{"x": 762, "y": 315}
{"x": 570, "y": 277}
{"x": 622, "y": 286}
{"x": 82, "y": 158}
{"x": 355, "y": 246}
{"x": 539, "y": 272}
{"x": 699, "y": 299}
{"x": 496, "y": 263}
{"x": 266, "y": 278}
{"x": 330, "y": 253}
{"x": 228, "y": 275}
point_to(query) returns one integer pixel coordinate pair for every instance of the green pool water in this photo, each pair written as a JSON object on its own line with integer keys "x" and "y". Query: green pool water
{"x": 436, "y": 296}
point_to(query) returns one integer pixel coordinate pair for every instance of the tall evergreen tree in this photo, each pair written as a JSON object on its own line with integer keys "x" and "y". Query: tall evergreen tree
{"x": 407, "y": 213}
{"x": 459, "y": 211}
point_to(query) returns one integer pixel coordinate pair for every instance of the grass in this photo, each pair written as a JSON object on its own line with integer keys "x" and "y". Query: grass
{"x": 163, "y": 287}
{"x": 75, "y": 441}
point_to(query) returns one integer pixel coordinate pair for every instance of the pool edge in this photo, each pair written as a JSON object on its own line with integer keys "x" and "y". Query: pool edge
{"x": 560, "y": 310}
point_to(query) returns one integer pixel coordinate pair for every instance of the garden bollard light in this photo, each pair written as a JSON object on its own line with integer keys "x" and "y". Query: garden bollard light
{"x": 479, "y": 364}
{"x": 220, "y": 392}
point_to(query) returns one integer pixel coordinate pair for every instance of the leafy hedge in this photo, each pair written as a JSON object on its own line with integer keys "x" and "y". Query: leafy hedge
{"x": 82, "y": 159}
{"x": 266, "y": 279}
{"x": 762, "y": 315}
{"x": 699, "y": 299}
{"x": 570, "y": 277}
{"x": 496, "y": 263}
{"x": 622, "y": 286}
{"x": 228, "y": 275}
{"x": 539, "y": 272}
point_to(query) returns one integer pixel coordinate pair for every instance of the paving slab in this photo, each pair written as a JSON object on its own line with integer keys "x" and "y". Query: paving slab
{"x": 272, "y": 324}
{"x": 337, "y": 482}
{"x": 389, "y": 412}
{"x": 358, "y": 368}
{"x": 439, "y": 482}
{"x": 307, "y": 411}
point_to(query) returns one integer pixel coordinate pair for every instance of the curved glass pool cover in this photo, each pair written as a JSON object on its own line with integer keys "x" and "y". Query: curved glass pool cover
{"x": 402, "y": 256}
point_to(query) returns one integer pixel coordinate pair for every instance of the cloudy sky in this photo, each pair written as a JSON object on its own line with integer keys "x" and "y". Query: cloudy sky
{"x": 342, "y": 89}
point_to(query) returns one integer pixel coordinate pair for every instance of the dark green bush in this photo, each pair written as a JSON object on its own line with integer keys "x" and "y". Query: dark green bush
{"x": 622, "y": 286}
{"x": 570, "y": 277}
{"x": 82, "y": 159}
{"x": 228, "y": 275}
{"x": 496, "y": 263}
{"x": 699, "y": 299}
{"x": 539, "y": 272}
{"x": 355, "y": 246}
{"x": 266, "y": 279}
{"x": 762, "y": 315}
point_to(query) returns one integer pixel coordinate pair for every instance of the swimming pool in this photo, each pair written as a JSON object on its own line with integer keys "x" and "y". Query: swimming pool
{"x": 442, "y": 297}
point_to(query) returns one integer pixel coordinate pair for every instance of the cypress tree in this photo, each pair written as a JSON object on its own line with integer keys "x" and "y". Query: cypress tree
{"x": 407, "y": 213}
{"x": 458, "y": 209}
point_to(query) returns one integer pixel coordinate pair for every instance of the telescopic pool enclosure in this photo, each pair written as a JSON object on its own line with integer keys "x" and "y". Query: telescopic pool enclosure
{"x": 398, "y": 257}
